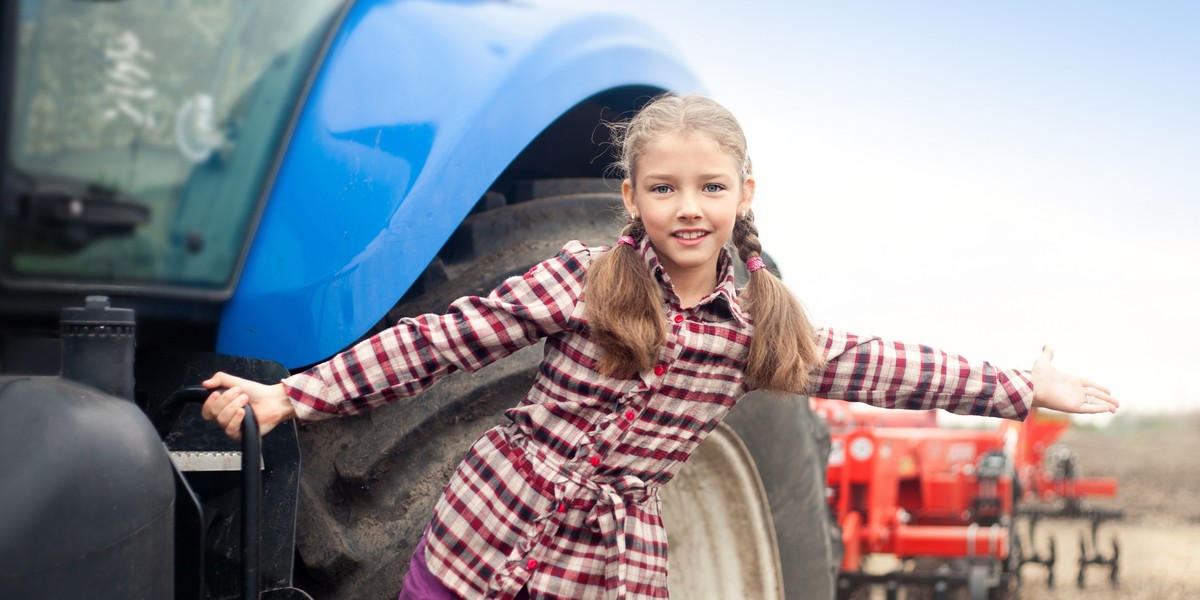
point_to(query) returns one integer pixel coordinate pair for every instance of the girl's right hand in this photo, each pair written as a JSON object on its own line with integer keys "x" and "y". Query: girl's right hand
{"x": 271, "y": 405}
{"x": 1063, "y": 392}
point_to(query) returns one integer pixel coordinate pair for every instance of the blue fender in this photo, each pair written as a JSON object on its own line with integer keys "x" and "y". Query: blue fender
{"x": 416, "y": 109}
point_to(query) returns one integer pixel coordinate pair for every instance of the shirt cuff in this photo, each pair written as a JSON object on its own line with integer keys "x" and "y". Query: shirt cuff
{"x": 308, "y": 406}
{"x": 1014, "y": 399}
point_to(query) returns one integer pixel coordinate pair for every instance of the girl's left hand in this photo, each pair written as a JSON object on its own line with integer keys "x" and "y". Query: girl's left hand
{"x": 1056, "y": 390}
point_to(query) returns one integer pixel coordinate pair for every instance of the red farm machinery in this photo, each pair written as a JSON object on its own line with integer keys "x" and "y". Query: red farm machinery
{"x": 951, "y": 512}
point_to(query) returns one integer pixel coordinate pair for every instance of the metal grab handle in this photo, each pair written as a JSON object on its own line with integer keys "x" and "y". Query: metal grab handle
{"x": 165, "y": 417}
{"x": 251, "y": 502}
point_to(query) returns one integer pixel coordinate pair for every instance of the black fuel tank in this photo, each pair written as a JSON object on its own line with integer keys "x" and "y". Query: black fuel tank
{"x": 86, "y": 495}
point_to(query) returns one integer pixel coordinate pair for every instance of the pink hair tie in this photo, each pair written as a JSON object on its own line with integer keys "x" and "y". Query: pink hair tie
{"x": 755, "y": 263}
{"x": 628, "y": 241}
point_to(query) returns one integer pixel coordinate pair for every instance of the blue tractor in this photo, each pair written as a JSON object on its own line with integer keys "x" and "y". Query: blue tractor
{"x": 254, "y": 185}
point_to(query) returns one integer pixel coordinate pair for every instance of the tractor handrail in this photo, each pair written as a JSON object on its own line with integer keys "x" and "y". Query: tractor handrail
{"x": 165, "y": 417}
{"x": 251, "y": 505}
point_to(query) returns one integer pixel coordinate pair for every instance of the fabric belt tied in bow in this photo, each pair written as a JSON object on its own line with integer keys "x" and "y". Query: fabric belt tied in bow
{"x": 608, "y": 518}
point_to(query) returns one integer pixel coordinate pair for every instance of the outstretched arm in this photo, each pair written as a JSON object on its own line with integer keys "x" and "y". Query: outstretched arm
{"x": 1060, "y": 391}
{"x": 892, "y": 374}
{"x": 475, "y": 331}
{"x": 899, "y": 375}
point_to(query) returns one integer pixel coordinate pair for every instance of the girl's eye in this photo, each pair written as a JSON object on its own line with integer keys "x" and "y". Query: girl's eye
{"x": 661, "y": 189}
{"x": 713, "y": 188}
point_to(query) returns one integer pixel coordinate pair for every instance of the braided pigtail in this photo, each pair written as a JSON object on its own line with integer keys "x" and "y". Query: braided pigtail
{"x": 783, "y": 351}
{"x": 624, "y": 307}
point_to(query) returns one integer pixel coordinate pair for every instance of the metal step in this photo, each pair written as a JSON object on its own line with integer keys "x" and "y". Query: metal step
{"x": 191, "y": 461}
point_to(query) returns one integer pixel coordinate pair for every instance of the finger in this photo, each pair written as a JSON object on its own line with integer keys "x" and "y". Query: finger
{"x": 234, "y": 428}
{"x": 1095, "y": 401}
{"x": 233, "y": 423}
{"x": 1087, "y": 383}
{"x": 212, "y": 405}
{"x": 1043, "y": 360}
{"x": 1094, "y": 408}
{"x": 214, "y": 381}
{"x": 1098, "y": 392}
{"x": 1106, "y": 399}
{"x": 216, "y": 402}
{"x": 235, "y": 400}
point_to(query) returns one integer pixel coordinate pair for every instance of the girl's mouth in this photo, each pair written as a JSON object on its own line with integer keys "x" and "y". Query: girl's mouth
{"x": 689, "y": 238}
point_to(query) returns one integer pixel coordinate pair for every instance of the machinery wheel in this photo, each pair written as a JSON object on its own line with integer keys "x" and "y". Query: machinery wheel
{"x": 1081, "y": 578}
{"x": 1010, "y": 572}
{"x": 977, "y": 582}
{"x": 369, "y": 483}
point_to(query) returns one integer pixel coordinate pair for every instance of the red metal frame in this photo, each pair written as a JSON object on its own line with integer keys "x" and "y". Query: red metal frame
{"x": 1038, "y": 433}
{"x": 899, "y": 484}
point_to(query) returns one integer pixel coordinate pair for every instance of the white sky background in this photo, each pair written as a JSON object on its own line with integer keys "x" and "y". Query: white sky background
{"x": 982, "y": 177}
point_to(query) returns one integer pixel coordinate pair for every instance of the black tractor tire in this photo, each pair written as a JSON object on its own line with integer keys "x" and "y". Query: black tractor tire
{"x": 790, "y": 445}
{"x": 369, "y": 482}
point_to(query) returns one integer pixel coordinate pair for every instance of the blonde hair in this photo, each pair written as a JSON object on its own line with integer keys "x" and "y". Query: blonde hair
{"x": 624, "y": 303}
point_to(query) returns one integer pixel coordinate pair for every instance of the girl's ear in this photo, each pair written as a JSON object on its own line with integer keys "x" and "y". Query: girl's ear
{"x": 627, "y": 197}
{"x": 747, "y": 195}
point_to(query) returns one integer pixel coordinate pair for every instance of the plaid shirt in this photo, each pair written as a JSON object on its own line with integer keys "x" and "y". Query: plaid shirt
{"x": 564, "y": 498}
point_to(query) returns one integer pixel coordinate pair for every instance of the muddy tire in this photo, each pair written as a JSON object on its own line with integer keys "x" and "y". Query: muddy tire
{"x": 369, "y": 483}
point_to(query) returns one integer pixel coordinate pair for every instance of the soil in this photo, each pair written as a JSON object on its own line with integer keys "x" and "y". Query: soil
{"x": 1156, "y": 460}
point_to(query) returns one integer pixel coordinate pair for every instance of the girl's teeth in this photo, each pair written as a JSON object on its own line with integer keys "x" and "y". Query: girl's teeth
{"x": 689, "y": 235}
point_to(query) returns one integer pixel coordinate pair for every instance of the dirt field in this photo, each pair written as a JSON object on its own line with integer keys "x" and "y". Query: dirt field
{"x": 1156, "y": 461}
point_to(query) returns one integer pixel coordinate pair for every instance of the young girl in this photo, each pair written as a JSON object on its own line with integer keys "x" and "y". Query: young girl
{"x": 648, "y": 346}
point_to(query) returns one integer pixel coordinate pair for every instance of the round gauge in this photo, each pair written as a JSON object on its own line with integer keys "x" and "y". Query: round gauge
{"x": 861, "y": 448}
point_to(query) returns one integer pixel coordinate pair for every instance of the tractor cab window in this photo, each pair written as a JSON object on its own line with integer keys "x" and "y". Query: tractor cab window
{"x": 140, "y": 134}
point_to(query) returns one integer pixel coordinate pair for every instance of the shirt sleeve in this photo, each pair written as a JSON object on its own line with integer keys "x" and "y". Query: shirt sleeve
{"x": 419, "y": 351}
{"x": 911, "y": 376}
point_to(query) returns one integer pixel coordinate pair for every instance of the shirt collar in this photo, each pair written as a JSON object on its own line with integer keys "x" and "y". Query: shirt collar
{"x": 723, "y": 300}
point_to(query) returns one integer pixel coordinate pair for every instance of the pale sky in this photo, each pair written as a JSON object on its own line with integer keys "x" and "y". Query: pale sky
{"x": 982, "y": 177}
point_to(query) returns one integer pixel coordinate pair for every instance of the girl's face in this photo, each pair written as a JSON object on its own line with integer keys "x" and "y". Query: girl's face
{"x": 687, "y": 192}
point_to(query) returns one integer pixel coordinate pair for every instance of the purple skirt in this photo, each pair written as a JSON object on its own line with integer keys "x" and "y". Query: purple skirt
{"x": 420, "y": 584}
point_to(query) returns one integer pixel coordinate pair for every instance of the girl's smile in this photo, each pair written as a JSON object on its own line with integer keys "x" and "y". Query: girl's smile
{"x": 687, "y": 191}
{"x": 690, "y": 237}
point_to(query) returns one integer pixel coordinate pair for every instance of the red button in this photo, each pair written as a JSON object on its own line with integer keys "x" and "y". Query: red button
{"x": 629, "y": 415}
{"x": 562, "y": 507}
{"x": 531, "y": 564}
{"x": 659, "y": 369}
{"x": 678, "y": 318}
{"x": 595, "y": 460}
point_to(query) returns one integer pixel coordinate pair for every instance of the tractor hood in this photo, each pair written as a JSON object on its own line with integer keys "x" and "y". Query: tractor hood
{"x": 137, "y": 137}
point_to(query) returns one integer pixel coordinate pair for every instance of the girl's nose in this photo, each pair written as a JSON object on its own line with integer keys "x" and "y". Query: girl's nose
{"x": 688, "y": 207}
